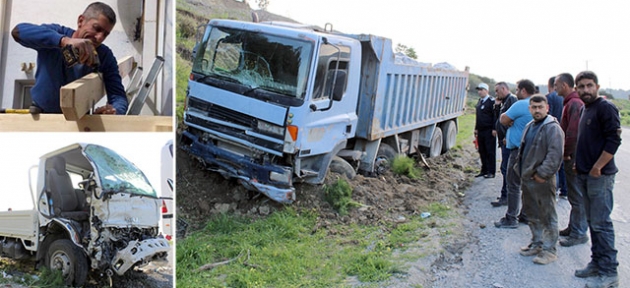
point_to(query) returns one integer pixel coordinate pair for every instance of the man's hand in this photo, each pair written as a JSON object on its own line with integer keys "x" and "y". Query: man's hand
{"x": 595, "y": 172}
{"x": 494, "y": 133}
{"x": 83, "y": 46}
{"x": 107, "y": 109}
{"x": 538, "y": 179}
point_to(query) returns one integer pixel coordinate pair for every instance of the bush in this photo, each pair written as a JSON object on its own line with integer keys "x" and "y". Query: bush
{"x": 339, "y": 195}
{"x": 403, "y": 165}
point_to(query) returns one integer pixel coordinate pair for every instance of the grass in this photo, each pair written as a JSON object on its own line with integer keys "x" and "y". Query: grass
{"x": 285, "y": 250}
{"x": 466, "y": 126}
{"x": 403, "y": 165}
{"x": 339, "y": 195}
{"x": 183, "y": 69}
{"x": 624, "y": 110}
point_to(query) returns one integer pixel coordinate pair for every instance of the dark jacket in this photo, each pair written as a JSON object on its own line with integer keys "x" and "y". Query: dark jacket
{"x": 485, "y": 115}
{"x": 600, "y": 130}
{"x": 544, "y": 154}
{"x": 505, "y": 105}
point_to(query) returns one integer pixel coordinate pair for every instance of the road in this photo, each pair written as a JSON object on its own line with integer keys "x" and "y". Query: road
{"x": 492, "y": 259}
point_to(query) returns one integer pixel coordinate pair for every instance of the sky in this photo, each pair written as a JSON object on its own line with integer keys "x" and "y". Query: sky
{"x": 503, "y": 40}
{"x": 20, "y": 151}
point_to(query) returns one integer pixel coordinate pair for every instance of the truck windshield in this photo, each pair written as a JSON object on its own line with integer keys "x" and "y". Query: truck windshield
{"x": 117, "y": 174}
{"x": 258, "y": 63}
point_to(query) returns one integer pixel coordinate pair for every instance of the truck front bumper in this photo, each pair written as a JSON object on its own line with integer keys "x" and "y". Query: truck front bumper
{"x": 253, "y": 176}
{"x": 143, "y": 251}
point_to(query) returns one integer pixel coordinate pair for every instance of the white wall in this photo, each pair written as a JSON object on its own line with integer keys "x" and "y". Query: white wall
{"x": 122, "y": 40}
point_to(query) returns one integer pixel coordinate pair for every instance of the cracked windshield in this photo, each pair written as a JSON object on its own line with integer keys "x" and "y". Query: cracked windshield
{"x": 256, "y": 61}
{"x": 117, "y": 174}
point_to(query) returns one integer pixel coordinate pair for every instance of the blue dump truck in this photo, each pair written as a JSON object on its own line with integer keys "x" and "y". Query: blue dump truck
{"x": 271, "y": 104}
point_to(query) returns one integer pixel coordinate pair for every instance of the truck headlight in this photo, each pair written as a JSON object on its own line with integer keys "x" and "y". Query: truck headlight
{"x": 284, "y": 177}
{"x": 269, "y": 128}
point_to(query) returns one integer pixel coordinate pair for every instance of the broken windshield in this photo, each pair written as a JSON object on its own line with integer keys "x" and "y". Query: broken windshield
{"x": 255, "y": 60}
{"x": 117, "y": 174}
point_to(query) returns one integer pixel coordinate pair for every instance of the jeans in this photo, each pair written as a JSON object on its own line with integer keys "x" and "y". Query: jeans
{"x": 513, "y": 188}
{"x": 577, "y": 218}
{"x": 598, "y": 203}
{"x": 505, "y": 154}
{"x": 539, "y": 204}
{"x": 562, "y": 180}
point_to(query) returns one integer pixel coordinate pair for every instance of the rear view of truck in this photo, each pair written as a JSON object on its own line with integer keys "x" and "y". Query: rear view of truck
{"x": 271, "y": 104}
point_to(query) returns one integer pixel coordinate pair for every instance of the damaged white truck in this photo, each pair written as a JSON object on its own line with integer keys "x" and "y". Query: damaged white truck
{"x": 93, "y": 210}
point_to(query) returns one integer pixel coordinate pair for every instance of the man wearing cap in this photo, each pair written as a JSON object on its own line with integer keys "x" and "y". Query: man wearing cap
{"x": 485, "y": 133}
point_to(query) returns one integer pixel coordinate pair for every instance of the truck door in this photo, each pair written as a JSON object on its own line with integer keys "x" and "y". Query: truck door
{"x": 332, "y": 116}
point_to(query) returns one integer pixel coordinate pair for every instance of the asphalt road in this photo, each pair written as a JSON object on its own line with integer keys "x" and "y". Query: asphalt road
{"x": 492, "y": 258}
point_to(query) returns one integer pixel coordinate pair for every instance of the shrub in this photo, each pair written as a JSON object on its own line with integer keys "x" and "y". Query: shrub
{"x": 403, "y": 165}
{"x": 339, "y": 195}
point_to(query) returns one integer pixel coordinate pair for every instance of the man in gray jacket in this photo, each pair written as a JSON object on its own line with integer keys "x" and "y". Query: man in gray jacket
{"x": 539, "y": 159}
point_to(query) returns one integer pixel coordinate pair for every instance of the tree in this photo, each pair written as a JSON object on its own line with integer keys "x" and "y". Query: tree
{"x": 263, "y": 4}
{"x": 409, "y": 51}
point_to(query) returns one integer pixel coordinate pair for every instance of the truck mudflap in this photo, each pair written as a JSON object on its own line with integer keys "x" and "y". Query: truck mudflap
{"x": 139, "y": 251}
{"x": 252, "y": 176}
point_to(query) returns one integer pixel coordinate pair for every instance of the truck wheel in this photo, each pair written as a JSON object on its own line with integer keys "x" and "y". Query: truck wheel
{"x": 384, "y": 158}
{"x": 450, "y": 135}
{"x": 436, "y": 143}
{"x": 65, "y": 256}
{"x": 341, "y": 166}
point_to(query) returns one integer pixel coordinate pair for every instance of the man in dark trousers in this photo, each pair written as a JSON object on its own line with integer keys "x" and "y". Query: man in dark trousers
{"x": 573, "y": 105}
{"x": 555, "y": 109}
{"x": 599, "y": 137}
{"x": 485, "y": 133}
{"x": 539, "y": 158}
{"x": 502, "y": 103}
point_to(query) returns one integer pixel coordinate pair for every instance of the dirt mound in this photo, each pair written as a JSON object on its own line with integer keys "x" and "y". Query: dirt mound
{"x": 385, "y": 198}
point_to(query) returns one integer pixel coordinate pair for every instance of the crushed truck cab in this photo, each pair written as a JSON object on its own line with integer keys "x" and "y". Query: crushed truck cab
{"x": 93, "y": 210}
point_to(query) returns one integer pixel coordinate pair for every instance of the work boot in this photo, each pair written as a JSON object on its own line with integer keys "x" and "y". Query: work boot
{"x": 590, "y": 270}
{"x": 603, "y": 281}
{"x": 545, "y": 257}
{"x": 500, "y": 202}
{"x": 572, "y": 241}
{"x": 505, "y": 223}
{"x": 565, "y": 232}
{"x": 530, "y": 250}
{"x": 523, "y": 219}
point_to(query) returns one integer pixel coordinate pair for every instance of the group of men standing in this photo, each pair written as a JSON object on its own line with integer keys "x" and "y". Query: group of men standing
{"x": 545, "y": 150}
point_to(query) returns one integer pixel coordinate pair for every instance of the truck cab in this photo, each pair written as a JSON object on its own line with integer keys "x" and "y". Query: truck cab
{"x": 260, "y": 103}
{"x": 94, "y": 210}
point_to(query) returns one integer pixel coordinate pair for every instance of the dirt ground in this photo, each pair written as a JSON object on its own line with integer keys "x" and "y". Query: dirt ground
{"x": 385, "y": 198}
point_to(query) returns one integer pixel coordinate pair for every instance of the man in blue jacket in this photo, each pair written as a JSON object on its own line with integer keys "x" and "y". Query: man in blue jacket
{"x": 93, "y": 26}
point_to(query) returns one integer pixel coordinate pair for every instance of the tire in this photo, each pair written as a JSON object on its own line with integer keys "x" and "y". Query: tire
{"x": 449, "y": 129}
{"x": 384, "y": 158}
{"x": 436, "y": 143}
{"x": 65, "y": 256}
{"x": 341, "y": 166}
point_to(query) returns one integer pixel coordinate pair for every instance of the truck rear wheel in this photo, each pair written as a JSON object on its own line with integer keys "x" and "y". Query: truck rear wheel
{"x": 63, "y": 255}
{"x": 341, "y": 166}
{"x": 436, "y": 143}
{"x": 449, "y": 129}
{"x": 384, "y": 158}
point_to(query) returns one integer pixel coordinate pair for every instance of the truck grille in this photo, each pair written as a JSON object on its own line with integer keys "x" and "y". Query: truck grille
{"x": 222, "y": 113}
{"x": 228, "y": 115}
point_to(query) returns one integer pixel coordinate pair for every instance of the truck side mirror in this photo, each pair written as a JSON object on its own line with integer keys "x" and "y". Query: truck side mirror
{"x": 340, "y": 84}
